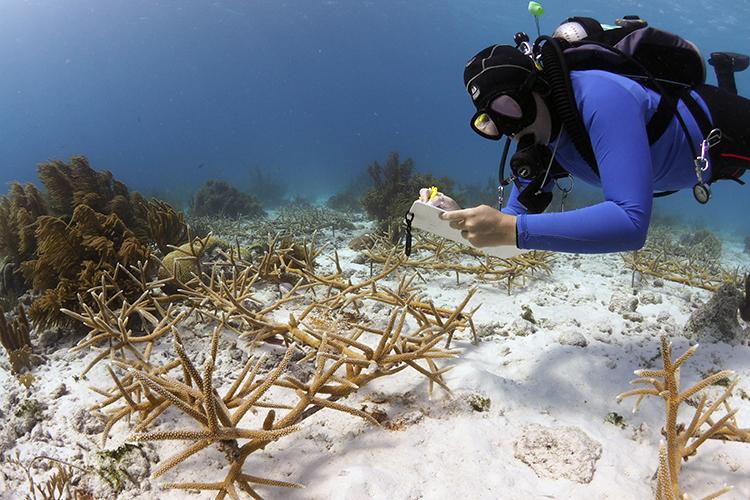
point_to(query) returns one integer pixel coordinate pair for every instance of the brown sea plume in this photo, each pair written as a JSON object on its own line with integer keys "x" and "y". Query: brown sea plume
{"x": 60, "y": 243}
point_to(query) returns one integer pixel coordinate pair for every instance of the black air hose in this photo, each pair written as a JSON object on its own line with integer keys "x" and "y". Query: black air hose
{"x": 562, "y": 99}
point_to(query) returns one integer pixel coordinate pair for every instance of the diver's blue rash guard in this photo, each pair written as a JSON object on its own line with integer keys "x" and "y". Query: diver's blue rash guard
{"x": 615, "y": 111}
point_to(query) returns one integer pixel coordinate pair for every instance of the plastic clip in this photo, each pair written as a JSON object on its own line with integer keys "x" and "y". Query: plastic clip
{"x": 713, "y": 138}
{"x": 564, "y": 190}
{"x": 501, "y": 190}
{"x": 500, "y": 196}
{"x": 408, "y": 218}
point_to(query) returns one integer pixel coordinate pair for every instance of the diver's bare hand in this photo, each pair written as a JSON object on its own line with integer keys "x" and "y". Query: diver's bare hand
{"x": 441, "y": 201}
{"x": 483, "y": 226}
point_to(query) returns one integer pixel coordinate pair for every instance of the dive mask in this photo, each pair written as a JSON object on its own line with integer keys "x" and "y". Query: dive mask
{"x": 506, "y": 114}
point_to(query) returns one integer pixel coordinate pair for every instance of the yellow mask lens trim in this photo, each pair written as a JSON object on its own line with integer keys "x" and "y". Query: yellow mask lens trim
{"x": 482, "y": 120}
{"x": 484, "y": 124}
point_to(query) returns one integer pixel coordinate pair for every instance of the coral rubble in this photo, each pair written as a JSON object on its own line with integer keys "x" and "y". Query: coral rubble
{"x": 717, "y": 319}
{"x": 558, "y": 452}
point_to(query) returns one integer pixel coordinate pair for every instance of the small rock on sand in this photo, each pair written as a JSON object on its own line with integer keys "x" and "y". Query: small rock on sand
{"x": 573, "y": 338}
{"x": 558, "y": 452}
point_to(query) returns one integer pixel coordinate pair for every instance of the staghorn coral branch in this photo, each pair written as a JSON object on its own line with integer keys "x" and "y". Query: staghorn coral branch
{"x": 684, "y": 441}
{"x": 710, "y": 380}
{"x": 180, "y": 457}
{"x": 690, "y": 450}
{"x": 638, "y": 392}
{"x": 256, "y": 394}
{"x": 221, "y": 434}
{"x": 269, "y": 482}
{"x": 165, "y": 393}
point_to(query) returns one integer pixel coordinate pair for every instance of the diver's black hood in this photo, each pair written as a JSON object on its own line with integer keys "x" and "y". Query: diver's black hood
{"x": 500, "y": 69}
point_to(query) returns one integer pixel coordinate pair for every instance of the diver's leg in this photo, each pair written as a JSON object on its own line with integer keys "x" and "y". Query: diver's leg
{"x": 726, "y": 64}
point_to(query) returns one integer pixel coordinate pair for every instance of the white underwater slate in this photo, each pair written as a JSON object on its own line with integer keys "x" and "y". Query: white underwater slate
{"x": 427, "y": 218}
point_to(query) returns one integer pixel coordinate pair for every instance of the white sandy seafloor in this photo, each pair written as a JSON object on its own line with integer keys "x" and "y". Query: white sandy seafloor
{"x": 561, "y": 374}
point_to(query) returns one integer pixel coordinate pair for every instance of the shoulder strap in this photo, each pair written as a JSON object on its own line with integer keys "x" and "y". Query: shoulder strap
{"x": 700, "y": 117}
{"x": 660, "y": 120}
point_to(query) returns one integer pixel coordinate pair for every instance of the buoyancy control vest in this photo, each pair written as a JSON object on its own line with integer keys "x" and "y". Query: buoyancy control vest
{"x": 659, "y": 60}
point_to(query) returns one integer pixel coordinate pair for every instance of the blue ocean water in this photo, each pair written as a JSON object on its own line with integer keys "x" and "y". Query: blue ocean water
{"x": 167, "y": 94}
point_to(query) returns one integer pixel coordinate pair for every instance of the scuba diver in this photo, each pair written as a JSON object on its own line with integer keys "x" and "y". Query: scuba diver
{"x": 622, "y": 107}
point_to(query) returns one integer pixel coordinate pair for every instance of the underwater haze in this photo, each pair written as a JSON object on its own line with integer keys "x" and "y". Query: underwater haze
{"x": 169, "y": 94}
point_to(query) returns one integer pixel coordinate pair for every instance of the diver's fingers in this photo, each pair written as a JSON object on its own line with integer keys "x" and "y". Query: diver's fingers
{"x": 447, "y": 203}
{"x": 424, "y": 195}
{"x": 455, "y": 214}
{"x": 457, "y": 224}
{"x": 436, "y": 200}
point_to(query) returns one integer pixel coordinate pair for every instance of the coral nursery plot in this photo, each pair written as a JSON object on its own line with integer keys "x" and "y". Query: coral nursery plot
{"x": 280, "y": 367}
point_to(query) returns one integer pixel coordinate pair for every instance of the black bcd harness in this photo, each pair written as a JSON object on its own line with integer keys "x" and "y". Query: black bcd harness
{"x": 661, "y": 61}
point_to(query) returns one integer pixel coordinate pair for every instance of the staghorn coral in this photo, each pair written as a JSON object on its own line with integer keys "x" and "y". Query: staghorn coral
{"x": 692, "y": 260}
{"x": 220, "y": 198}
{"x": 395, "y": 186}
{"x": 292, "y": 222}
{"x": 703, "y": 244}
{"x": 683, "y": 440}
{"x": 445, "y": 255}
{"x": 59, "y": 485}
{"x": 296, "y": 221}
{"x": 344, "y": 351}
{"x": 283, "y": 259}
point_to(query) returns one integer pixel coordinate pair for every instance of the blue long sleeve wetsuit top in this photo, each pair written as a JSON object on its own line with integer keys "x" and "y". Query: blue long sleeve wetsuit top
{"x": 615, "y": 111}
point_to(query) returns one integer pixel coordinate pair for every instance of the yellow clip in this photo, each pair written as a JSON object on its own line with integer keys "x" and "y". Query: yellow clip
{"x": 433, "y": 193}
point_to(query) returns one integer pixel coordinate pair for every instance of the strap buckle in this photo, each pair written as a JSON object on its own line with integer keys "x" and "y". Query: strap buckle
{"x": 703, "y": 161}
{"x": 701, "y": 192}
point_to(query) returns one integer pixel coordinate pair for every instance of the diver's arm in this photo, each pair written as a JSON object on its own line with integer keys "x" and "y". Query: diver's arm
{"x": 513, "y": 207}
{"x": 618, "y": 134}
